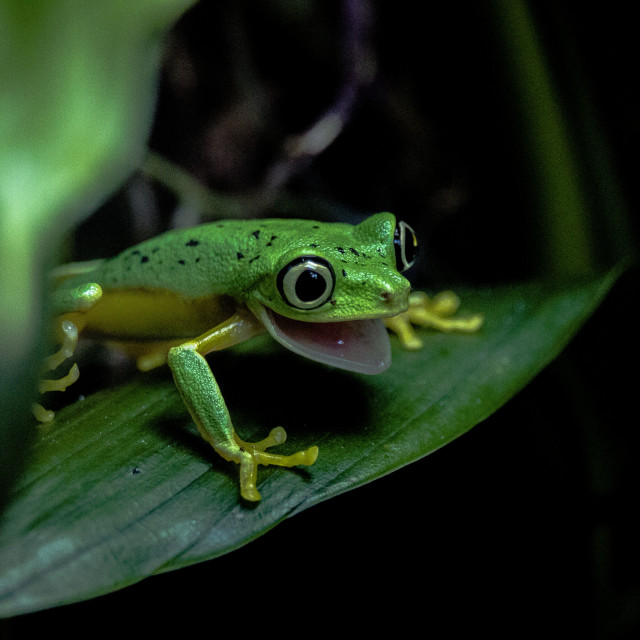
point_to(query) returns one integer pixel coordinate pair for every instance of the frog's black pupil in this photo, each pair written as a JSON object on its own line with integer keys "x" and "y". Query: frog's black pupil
{"x": 310, "y": 286}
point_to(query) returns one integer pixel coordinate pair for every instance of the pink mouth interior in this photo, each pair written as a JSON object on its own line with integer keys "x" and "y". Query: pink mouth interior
{"x": 354, "y": 345}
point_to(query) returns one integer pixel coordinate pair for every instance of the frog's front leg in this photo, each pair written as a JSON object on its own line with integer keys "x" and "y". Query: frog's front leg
{"x": 205, "y": 403}
{"x": 437, "y": 313}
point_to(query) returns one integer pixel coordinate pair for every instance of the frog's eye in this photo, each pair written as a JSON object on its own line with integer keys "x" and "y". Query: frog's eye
{"x": 405, "y": 244}
{"x": 306, "y": 282}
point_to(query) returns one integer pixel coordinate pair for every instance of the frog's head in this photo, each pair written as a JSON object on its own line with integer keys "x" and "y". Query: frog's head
{"x": 330, "y": 287}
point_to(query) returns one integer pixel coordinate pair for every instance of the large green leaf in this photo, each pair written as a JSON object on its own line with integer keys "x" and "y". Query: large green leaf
{"x": 121, "y": 486}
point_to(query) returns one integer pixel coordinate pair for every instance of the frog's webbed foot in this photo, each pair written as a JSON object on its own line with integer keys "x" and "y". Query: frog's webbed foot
{"x": 68, "y": 341}
{"x": 251, "y": 454}
{"x": 436, "y": 313}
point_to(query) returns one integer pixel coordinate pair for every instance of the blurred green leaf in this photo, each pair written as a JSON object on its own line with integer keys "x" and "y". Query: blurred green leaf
{"x": 120, "y": 486}
{"x": 77, "y": 95}
{"x": 581, "y": 217}
{"x": 550, "y": 149}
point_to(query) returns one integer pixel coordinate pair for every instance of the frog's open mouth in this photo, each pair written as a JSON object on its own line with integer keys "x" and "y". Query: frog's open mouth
{"x": 354, "y": 345}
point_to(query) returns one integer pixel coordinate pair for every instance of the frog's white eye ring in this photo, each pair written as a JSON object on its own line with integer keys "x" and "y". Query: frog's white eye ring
{"x": 405, "y": 244}
{"x": 306, "y": 282}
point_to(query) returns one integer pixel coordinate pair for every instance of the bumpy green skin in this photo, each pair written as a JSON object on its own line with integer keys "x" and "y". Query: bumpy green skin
{"x": 241, "y": 259}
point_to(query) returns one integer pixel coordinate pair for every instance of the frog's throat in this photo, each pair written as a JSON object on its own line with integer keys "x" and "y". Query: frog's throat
{"x": 354, "y": 345}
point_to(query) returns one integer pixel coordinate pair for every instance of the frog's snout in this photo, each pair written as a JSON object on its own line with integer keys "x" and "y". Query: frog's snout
{"x": 395, "y": 300}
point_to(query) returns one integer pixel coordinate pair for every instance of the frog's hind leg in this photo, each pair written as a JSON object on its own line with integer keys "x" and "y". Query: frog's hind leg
{"x": 72, "y": 301}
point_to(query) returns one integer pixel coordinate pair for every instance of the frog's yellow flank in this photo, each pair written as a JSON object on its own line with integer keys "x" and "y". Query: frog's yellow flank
{"x": 323, "y": 290}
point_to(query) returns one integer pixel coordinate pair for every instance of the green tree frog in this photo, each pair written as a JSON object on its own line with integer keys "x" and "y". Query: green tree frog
{"x": 322, "y": 290}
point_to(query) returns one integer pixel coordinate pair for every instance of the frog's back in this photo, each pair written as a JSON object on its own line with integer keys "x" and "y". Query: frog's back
{"x": 193, "y": 262}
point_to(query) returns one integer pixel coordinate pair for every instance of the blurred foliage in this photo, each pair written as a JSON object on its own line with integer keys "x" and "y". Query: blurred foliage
{"x": 77, "y": 91}
{"x": 506, "y": 134}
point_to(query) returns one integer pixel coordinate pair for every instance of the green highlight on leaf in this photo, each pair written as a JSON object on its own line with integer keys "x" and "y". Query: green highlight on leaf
{"x": 121, "y": 487}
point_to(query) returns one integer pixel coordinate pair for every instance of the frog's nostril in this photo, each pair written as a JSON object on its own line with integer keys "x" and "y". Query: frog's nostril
{"x": 393, "y": 299}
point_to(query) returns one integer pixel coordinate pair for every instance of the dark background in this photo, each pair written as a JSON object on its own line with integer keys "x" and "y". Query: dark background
{"x": 530, "y": 526}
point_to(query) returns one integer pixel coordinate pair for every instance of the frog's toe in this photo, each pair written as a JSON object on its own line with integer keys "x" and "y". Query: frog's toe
{"x": 306, "y": 457}
{"x": 60, "y": 384}
{"x": 251, "y": 494}
{"x": 401, "y": 326}
{"x": 309, "y": 456}
{"x": 277, "y": 436}
{"x": 248, "y": 479}
{"x": 41, "y": 414}
{"x": 443, "y": 304}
